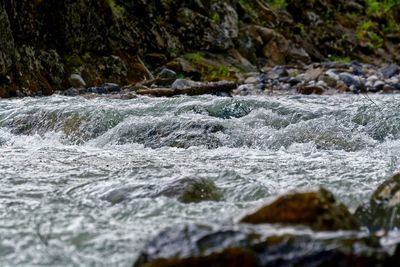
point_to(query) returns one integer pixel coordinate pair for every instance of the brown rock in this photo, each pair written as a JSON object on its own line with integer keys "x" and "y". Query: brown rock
{"x": 310, "y": 89}
{"x": 318, "y": 210}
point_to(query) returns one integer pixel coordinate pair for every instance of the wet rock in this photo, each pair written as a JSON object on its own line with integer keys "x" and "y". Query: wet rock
{"x": 280, "y": 71}
{"x": 390, "y": 71}
{"x": 184, "y": 83}
{"x": 310, "y": 89}
{"x": 312, "y": 74}
{"x": 106, "y": 88}
{"x": 167, "y": 74}
{"x": 247, "y": 246}
{"x": 190, "y": 190}
{"x": 328, "y": 80}
{"x": 383, "y": 210}
{"x": 318, "y": 210}
{"x": 76, "y": 81}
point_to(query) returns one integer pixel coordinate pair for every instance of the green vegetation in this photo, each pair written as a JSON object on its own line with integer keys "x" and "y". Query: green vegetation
{"x": 216, "y": 18}
{"x": 218, "y": 71}
{"x": 277, "y": 4}
{"x": 194, "y": 57}
{"x": 117, "y": 10}
{"x": 367, "y": 31}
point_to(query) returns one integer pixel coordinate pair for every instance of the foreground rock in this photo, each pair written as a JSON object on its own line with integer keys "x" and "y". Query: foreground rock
{"x": 248, "y": 246}
{"x": 271, "y": 244}
{"x": 383, "y": 210}
{"x": 318, "y": 210}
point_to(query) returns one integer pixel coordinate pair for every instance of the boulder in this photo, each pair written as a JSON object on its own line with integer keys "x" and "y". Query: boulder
{"x": 196, "y": 245}
{"x": 318, "y": 210}
{"x": 383, "y": 211}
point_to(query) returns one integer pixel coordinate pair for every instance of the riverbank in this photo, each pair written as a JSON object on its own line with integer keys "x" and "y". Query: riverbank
{"x": 43, "y": 43}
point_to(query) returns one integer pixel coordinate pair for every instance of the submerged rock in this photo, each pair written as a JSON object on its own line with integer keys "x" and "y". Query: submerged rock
{"x": 318, "y": 210}
{"x": 383, "y": 210}
{"x": 186, "y": 190}
{"x": 189, "y": 190}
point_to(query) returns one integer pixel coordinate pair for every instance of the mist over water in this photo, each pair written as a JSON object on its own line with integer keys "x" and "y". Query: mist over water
{"x": 63, "y": 160}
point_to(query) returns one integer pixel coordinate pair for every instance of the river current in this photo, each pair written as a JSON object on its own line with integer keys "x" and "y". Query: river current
{"x": 61, "y": 158}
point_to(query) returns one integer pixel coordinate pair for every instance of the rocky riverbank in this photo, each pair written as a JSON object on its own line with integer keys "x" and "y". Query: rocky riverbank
{"x": 264, "y": 239}
{"x": 44, "y": 43}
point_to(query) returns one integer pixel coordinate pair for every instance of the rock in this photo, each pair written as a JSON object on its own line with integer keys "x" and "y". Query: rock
{"x": 318, "y": 210}
{"x": 390, "y": 71}
{"x": 76, "y": 81}
{"x": 189, "y": 190}
{"x": 184, "y": 83}
{"x": 328, "y": 80}
{"x": 312, "y": 74}
{"x": 310, "y": 89}
{"x": 388, "y": 89}
{"x": 104, "y": 89}
{"x": 167, "y": 74}
{"x": 200, "y": 190}
{"x": 354, "y": 83}
{"x": 196, "y": 245}
{"x": 378, "y": 85}
{"x": 280, "y": 71}
{"x": 383, "y": 211}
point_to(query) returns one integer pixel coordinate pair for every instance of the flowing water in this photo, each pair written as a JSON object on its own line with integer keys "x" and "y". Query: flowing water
{"x": 80, "y": 179}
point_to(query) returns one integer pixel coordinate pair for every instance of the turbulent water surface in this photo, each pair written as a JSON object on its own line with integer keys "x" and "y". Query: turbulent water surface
{"x": 81, "y": 180}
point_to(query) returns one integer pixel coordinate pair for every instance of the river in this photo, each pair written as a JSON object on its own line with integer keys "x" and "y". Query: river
{"x": 62, "y": 157}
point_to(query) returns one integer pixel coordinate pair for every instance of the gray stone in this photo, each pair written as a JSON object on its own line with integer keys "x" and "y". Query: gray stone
{"x": 167, "y": 74}
{"x": 184, "y": 83}
{"x": 76, "y": 81}
{"x": 390, "y": 70}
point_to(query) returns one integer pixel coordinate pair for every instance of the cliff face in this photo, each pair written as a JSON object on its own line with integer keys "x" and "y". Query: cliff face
{"x": 43, "y": 41}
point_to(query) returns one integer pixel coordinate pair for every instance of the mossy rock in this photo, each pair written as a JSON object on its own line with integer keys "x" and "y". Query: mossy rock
{"x": 200, "y": 190}
{"x": 318, "y": 210}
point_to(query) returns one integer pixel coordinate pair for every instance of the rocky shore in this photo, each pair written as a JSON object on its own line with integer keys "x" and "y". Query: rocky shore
{"x": 297, "y": 229}
{"x": 46, "y": 46}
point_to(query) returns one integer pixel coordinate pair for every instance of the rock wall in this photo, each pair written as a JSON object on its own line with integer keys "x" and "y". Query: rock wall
{"x": 43, "y": 41}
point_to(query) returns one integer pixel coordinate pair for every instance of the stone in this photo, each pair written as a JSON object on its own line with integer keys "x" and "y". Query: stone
{"x": 328, "y": 80}
{"x": 318, "y": 210}
{"x": 280, "y": 71}
{"x": 310, "y": 89}
{"x": 76, "y": 81}
{"x": 383, "y": 210}
{"x": 196, "y": 245}
{"x": 378, "y": 85}
{"x": 106, "y": 88}
{"x": 390, "y": 70}
{"x": 312, "y": 74}
{"x": 184, "y": 83}
{"x": 166, "y": 73}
